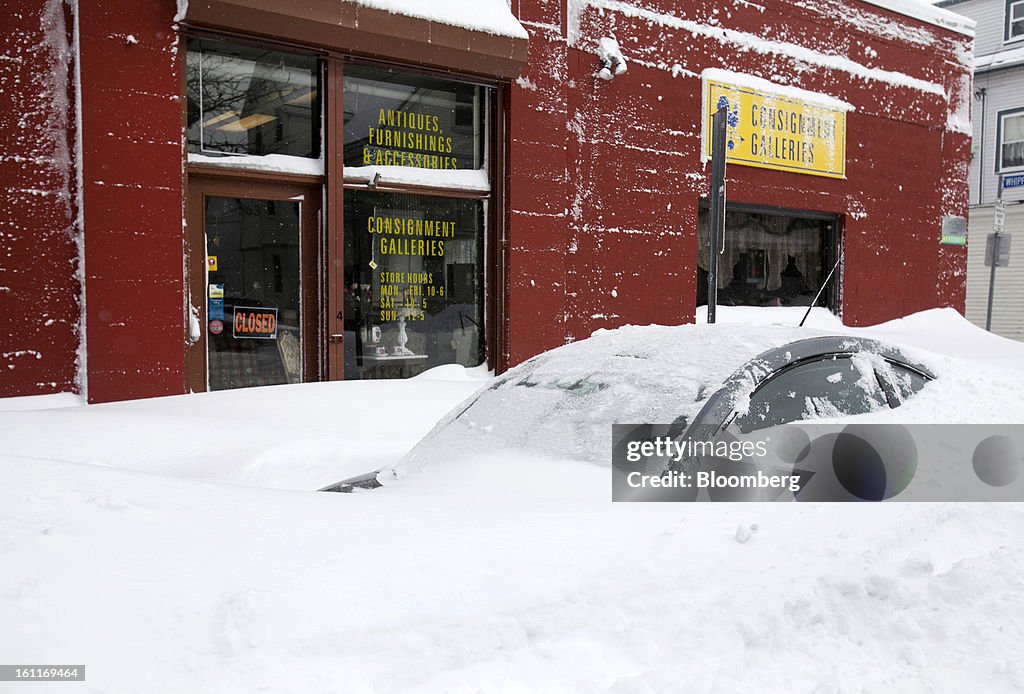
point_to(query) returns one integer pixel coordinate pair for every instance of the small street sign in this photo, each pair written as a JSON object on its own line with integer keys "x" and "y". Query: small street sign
{"x": 999, "y": 216}
{"x": 1015, "y": 181}
{"x": 1000, "y": 242}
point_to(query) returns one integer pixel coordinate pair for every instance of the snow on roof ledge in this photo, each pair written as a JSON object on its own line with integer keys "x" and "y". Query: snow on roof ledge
{"x": 921, "y": 9}
{"x": 488, "y": 16}
{"x": 477, "y": 37}
{"x": 766, "y": 87}
{"x": 1001, "y": 59}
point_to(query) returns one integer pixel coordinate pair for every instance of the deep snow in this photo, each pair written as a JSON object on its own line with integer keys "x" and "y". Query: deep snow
{"x": 145, "y": 540}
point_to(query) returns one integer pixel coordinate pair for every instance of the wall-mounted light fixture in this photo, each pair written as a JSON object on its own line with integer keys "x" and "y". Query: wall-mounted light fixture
{"x": 612, "y": 62}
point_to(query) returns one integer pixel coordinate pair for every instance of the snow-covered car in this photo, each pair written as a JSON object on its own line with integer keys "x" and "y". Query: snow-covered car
{"x": 697, "y": 379}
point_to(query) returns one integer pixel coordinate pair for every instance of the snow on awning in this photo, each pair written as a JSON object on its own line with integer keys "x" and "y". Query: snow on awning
{"x": 488, "y": 16}
{"x": 480, "y": 37}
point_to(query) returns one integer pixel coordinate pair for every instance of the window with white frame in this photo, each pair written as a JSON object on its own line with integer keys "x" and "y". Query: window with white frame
{"x": 1011, "y": 141}
{"x": 1014, "y": 20}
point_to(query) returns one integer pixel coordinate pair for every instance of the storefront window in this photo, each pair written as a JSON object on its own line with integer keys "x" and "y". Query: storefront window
{"x": 414, "y": 283}
{"x": 414, "y": 259}
{"x": 767, "y": 259}
{"x": 398, "y": 119}
{"x": 391, "y": 280}
{"x": 251, "y": 101}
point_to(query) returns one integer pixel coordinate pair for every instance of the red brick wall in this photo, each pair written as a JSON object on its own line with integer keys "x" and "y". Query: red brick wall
{"x": 606, "y": 176}
{"x": 39, "y": 289}
{"x": 131, "y": 130}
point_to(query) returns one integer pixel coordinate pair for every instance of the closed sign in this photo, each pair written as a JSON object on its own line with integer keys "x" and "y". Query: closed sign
{"x": 255, "y": 323}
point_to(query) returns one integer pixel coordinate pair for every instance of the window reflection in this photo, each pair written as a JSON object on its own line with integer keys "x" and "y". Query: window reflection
{"x": 398, "y": 119}
{"x": 251, "y": 101}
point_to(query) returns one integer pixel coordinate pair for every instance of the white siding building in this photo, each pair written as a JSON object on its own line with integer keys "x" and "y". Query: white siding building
{"x": 998, "y": 150}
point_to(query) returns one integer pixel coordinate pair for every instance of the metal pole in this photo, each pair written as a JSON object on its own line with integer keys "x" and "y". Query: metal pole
{"x": 992, "y": 282}
{"x": 716, "y": 216}
{"x": 997, "y": 238}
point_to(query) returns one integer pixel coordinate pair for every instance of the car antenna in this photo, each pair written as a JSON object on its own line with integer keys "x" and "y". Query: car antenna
{"x": 823, "y": 285}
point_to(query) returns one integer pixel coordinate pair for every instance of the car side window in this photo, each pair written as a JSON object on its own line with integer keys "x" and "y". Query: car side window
{"x": 831, "y": 386}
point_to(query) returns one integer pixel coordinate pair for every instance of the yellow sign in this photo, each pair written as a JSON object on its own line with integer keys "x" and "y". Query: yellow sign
{"x": 777, "y": 131}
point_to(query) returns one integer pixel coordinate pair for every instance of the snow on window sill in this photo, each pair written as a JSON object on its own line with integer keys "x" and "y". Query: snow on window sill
{"x": 273, "y": 163}
{"x": 474, "y": 180}
{"x": 462, "y": 179}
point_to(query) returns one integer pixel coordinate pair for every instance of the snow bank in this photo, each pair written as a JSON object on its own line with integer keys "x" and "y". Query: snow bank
{"x": 289, "y": 437}
{"x": 147, "y": 557}
{"x": 41, "y": 402}
{"x": 507, "y": 573}
{"x": 943, "y": 331}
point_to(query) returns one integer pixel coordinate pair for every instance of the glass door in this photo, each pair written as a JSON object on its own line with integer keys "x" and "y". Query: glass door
{"x": 254, "y": 309}
{"x": 255, "y": 300}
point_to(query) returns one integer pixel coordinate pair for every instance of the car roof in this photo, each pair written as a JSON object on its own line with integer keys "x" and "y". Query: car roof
{"x": 563, "y": 402}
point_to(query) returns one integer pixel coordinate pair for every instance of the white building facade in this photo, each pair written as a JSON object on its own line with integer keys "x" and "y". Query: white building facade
{"x": 997, "y": 153}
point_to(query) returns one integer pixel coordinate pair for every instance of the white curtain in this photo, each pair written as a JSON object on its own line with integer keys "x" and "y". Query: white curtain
{"x": 779, "y": 237}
